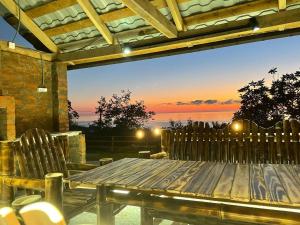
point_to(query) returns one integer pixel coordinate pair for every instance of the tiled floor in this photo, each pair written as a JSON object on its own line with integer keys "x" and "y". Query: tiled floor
{"x": 128, "y": 216}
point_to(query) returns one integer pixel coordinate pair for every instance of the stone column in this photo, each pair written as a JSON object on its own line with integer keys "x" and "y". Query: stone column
{"x": 60, "y": 97}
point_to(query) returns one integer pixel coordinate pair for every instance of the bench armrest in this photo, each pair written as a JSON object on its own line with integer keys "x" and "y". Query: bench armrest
{"x": 79, "y": 166}
{"x": 159, "y": 155}
{"x": 26, "y": 183}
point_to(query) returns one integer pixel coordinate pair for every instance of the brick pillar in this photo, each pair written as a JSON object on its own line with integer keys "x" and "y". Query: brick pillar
{"x": 60, "y": 97}
{"x": 7, "y": 118}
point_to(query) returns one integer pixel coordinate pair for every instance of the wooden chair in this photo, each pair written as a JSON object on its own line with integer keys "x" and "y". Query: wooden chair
{"x": 37, "y": 154}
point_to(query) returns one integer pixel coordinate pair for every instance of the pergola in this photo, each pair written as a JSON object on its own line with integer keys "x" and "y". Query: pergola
{"x": 85, "y": 33}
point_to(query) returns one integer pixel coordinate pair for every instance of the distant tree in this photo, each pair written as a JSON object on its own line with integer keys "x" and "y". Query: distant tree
{"x": 218, "y": 125}
{"x": 72, "y": 114}
{"x": 174, "y": 125}
{"x": 119, "y": 112}
{"x": 256, "y": 104}
{"x": 286, "y": 95}
{"x": 265, "y": 105}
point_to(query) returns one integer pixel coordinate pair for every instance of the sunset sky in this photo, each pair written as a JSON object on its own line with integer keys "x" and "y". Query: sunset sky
{"x": 182, "y": 86}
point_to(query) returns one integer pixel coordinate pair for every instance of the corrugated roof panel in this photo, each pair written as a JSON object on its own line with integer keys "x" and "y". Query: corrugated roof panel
{"x": 104, "y": 6}
{"x": 197, "y": 6}
{"x": 28, "y": 4}
{"x": 63, "y": 16}
{"x": 88, "y": 32}
{"x": 128, "y": 23}
{"x": 233, "y": 18}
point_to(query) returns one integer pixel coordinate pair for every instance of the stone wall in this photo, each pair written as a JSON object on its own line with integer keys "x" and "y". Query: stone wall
{"x": 20, "y": 75}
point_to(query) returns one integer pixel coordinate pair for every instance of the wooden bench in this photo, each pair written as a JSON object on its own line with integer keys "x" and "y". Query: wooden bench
{"x": 37, "y": 154}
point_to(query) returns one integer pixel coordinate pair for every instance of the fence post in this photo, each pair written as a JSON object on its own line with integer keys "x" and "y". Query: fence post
{"x": 112, "y": 143}
{"x": 54, "y": 189}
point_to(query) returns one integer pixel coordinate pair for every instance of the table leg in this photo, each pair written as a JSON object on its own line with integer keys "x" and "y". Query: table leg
{"x": 104, "y": 209}
{"x": 146, "y": 218}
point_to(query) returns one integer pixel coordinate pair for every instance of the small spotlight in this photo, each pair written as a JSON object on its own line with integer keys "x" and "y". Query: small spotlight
{"x": 126, "y": 51}
{"x": 256, "y": 28}
{"x": 236, "y": 126}
{"x": 156, "y": 131}
{"x": 140, "y": 134}
{"x": 254, "y": 24}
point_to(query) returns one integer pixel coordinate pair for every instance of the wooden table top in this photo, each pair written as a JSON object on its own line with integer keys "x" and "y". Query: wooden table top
{"x": 271, "y": 184}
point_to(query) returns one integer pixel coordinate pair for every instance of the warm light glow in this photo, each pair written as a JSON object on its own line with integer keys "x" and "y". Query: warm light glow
{"x": 123, "y": 192}
{"x": 45, "y": 207}
{"x": 256, "y": 28}
{"x": 156, "y": 131}
{"x": 5, "y": 211}
{"x": 42, "y": 89}
{"x": 275, "y": 208}
{"x": 140, "y": 134}
{"x": 126, "y": 51}
{"x": 236, "y": 126}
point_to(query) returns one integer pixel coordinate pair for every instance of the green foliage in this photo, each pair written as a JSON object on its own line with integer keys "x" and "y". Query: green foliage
{"x": 73, "y": 115}
{"x": 265, "y": 105}
{"x": 120, "y": 113}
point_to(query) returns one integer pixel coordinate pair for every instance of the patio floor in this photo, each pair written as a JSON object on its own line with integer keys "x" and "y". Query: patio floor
{"x": 130, "y": 215}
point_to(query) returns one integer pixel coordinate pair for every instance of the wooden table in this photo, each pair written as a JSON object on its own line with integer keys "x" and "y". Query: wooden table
{"x": 197, "y": 191}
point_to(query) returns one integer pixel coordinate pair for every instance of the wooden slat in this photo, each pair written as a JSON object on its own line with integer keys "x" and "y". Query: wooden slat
{"x": 276, "y": 190}
{"x": 151, "y": 15}
{"x": 290, "y": 182}
{"x": 282, "y": 4}
{"x": 11, "y": 6}
{"x": 258, "y": 189}
{"x": 179, "y": 183}
{"x": 169, "y": 179}
{"x": 173, "y": 6}
{"x": 130, "y": 171}
{"x": 224, "y": 185}
{"x": 97, "y": 179}
{"x": 106, "y": 170}
{"x": 208, "y": 185}
{"x": 240, "y": 187}
{"x": 156, "y": 167}
{"x": 88, "y": 8}
{"x": 193, "y": 185}
{"x": 148, "y": 184}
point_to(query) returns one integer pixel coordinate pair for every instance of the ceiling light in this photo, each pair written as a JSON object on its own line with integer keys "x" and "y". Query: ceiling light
{"x": 254, "y": 24}
{"x": 126, "y": 50}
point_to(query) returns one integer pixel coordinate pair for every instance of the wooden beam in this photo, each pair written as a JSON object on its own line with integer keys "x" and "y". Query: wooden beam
{"x": 88, "y": 8}
{"x": 26, "y": 52}
{"x": 49, "y": 7}
{"x": 152, "y": 16}
{"x": 281, "y": 4}
{"x": 173, "y": 6}
{"x": 11, "y": 6}
{"x": 285, "y": 20}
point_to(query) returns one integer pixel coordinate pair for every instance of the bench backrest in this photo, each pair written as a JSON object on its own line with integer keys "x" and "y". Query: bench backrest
{"x": 38, "y": 153}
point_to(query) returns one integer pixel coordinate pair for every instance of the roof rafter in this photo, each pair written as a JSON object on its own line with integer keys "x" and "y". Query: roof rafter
{"x": 11, "y": 6}
{"x": 151, "y": 15}
{"x": 285, "y": 20}
{"x": 96, "y": 20}
{"x": 281, "y": 4}
{"x": 173, "y": 6}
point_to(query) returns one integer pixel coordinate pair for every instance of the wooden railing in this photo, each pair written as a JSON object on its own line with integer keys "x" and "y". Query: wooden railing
{"x": 241, "y": 141}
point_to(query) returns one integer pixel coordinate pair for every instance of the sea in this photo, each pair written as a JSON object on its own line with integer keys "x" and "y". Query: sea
{"x": 162, "y": 119}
